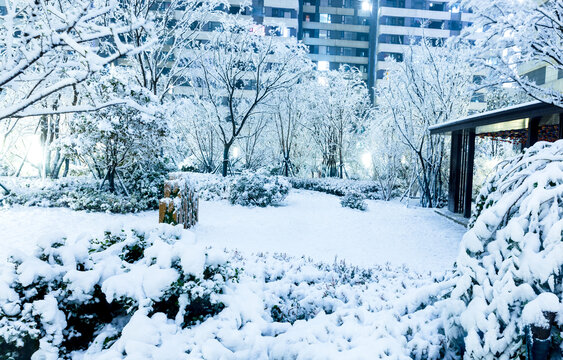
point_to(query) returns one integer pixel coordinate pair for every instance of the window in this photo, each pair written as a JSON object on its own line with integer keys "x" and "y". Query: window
{"x": 416, "y": 22}
{"x": 393, "y": 3}
{"x": 435, "y": 24}
{"x": 391, "y": 39}
{"x": 436, "y": 6}
{"x": 392, "y": 20}
{"x": 455, "y": 25}
{"x": 537, "y": 76}
{"x": 334, "y": 66}
{"x": 308, "y": 33}
{"x": 346, "y": 51}
{"x": 335, "y": 34}
{"x": 362, "y": 36}
{"x": 234, "y": 9}
{"x": 323, "y": 34}
{"x": 418, "y": 4}
{"x": 324, "y": 18}
{"x": 383, "y": 56}
{"x": 362, "y": 52}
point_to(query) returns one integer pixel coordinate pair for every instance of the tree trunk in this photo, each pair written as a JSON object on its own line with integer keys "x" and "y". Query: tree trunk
{"x": 67, "y": 164}
{"x": 111, "y": 180}
{"x": 226, "y": 148}
{"x": 340, "y": 162}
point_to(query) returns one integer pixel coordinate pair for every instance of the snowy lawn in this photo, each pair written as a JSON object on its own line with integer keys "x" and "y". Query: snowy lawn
{"x": 310, "y": 224}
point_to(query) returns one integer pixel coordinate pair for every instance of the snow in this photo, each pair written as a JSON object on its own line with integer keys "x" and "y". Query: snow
{"x": 315, "y": 225}
{"x": 309, "y": 224}
{"x": 277, "y": 306}
{"x": 533, "y": 312}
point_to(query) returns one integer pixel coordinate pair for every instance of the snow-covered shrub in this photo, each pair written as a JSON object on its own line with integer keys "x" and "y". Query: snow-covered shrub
{"x": 251, "y": 189}
{"x": 511, "y": 263}
{"x": 83, "y": 193}
{"x": 354, "y": 200}
{"x": 72, "y": 294}
{"x": 337, "y": 187}
{"x": 209, "y": 186}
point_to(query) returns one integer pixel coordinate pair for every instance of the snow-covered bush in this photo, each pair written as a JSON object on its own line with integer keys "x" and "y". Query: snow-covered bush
{"x": 80, "y": 293}
{"x": 354, "y": 200}
{"x": 511, "y": 262}
{"x": 251, "y": 189}
{"x": 210, "y": 186}
{"x": 83, "y": 193}
{"x": 337, "y": 187}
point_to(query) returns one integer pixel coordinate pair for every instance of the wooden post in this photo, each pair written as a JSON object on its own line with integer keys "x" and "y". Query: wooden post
{"x": 455, "y": 172}
{"x": 469, "y": 135}
{"x": 180, "y": 203}
{"x": 533, "y": 129}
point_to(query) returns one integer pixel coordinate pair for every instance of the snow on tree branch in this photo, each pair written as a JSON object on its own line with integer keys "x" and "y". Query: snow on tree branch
{"x": 513, "y": 33}
{"x": 48, "y": 46}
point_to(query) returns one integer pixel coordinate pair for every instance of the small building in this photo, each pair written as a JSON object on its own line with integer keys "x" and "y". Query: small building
{"x": 524, "y": 124}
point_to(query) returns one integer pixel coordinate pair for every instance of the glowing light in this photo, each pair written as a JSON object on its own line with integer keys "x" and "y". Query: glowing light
{"x": 323, "y": 66}
{"x": 236, "y": 152}
{"x": 366, "y": 160}
{"x": 366, "y": 6}
{"x": 35, "y": 154}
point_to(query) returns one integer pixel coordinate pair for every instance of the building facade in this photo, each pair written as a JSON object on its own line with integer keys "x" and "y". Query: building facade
{"x": 364, "y": 33}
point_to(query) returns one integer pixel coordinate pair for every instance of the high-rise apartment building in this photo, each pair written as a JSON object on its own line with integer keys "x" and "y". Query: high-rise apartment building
{"x": 364, "y": 33}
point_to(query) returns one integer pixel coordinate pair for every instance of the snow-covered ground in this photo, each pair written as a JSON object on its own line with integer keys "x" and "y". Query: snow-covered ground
{"x": 310, "y": 224}
{"x": 278, "y": 307}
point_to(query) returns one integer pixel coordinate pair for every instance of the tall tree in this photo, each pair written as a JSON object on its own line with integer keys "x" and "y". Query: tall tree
{"x": 432, "y": 85}
{"x": 289, "y": 109}
{"x": 239, "y": 70}
{"x": 341, "y": 109}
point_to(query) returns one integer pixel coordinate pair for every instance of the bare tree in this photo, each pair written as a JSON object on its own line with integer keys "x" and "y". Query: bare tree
{"x": 432, "y": 85}
{"x": 341, "y": 109}
{"x": 289, "y": 110}
{"x": 239, "y": 70}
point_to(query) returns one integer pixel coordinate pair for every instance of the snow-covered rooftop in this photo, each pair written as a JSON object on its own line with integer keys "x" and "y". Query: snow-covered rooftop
{"x": 520, "y": 111}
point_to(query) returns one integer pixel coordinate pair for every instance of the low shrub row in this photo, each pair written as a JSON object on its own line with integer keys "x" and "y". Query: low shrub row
{"x": 338, "y": 187}
{"x": 84, "y": 193}
{"x": 247, "y": 189}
